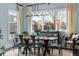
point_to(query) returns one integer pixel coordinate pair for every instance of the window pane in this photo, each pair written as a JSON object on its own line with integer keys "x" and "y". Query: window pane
{"x": 46, "y": 20}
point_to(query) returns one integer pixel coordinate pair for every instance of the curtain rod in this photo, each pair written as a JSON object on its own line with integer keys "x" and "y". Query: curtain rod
{"x": 19, "y": 4}
{"x": 35, "y": 4}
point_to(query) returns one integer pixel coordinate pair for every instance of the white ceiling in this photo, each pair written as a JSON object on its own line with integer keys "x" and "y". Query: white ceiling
{"x": 44, "y": 6}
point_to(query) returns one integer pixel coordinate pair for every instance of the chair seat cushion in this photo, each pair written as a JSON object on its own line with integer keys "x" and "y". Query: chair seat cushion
{"x": 54, "y": 46}
{"x": 76, "y": 46}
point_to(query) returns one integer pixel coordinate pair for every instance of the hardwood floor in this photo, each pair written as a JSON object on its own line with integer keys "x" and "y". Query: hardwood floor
{"x": 14, "y": 52}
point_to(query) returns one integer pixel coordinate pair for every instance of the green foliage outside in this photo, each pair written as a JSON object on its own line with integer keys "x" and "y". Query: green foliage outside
{"x": 49, "y": 25}
{"x": 63, "y": 25}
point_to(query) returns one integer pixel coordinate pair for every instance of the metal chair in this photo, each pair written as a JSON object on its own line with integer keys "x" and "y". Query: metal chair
{"x": 21, "y": 44}
{"x": 37, "y": 44}
{"x": 75, "y": 47}
{"x": 58, "y": 46}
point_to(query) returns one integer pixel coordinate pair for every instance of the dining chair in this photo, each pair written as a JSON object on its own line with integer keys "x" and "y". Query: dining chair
{"x": 75, "y": 47}
{"x": 37, "y": 44}
{"x": 21, "y": 44}
{"x": 55, "y": 45}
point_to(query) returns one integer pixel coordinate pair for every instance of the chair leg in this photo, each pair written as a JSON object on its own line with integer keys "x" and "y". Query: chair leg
{"x": 34, "y": 50}
{"x": 61, "y": 54}
{"x": 49, "y": 52}
{"x": 60, "y": 51}
{"x": 23, "y": 52}
{"x": 52, "y": 51}
{"x": 19, "y": 50}
{"x": 38, "y": 51}
{"x": 42, "y": 50}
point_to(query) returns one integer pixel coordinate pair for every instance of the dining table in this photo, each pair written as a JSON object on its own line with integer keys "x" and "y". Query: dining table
{"x": 46, "y": 40}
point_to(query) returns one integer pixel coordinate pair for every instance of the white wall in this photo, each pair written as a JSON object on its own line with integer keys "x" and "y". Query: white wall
{"x": 77, "y": 17}
{"x": 4, "y": 17}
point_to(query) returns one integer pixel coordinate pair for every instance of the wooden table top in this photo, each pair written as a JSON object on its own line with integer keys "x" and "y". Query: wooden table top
{"x": 46, "y": 38}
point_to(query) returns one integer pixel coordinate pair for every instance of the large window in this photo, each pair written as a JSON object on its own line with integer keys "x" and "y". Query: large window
{"x": 12, "y": 24}
{"x": 53, "y": 19}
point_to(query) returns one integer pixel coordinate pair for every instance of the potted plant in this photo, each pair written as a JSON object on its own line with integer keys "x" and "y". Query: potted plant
{"x": 2, "y": 47}
{"x": 24, "y": 33}
{"x": 37, "y": 31}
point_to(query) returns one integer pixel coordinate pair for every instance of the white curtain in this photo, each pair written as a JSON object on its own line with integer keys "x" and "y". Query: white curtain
{"x": 70, "y": 18}
{"x": 20, "y": 17}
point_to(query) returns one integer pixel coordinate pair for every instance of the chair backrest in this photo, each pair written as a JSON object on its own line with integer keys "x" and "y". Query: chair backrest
{"x": 51, "y": 34}
{"x": 33, "y": 38}
{"x": 21, "y": 38}
{"x": 61, "y": 37}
